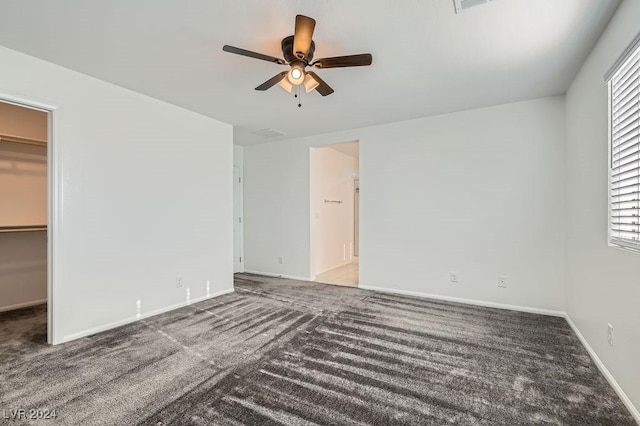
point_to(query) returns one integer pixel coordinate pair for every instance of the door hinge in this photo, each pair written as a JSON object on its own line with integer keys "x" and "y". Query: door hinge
{"x": 239, "y": 180}
{"x": 240, "y": 259}
{"x": 239, "y": 220}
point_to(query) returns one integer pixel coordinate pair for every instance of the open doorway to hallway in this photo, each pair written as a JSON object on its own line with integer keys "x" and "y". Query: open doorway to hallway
{"x": 335, "y": 189}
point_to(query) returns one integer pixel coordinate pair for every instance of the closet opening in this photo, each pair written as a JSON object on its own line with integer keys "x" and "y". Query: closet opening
{"x": 25, "y": 231}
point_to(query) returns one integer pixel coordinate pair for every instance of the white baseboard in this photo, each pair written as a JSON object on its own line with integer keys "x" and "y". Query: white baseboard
{"x": 467, "y": 301}
{"x": 271, "y": 274}
{"x": 23, "y": 305}
{"x": 605, "y": 372}
{"x": 116, "y": 324}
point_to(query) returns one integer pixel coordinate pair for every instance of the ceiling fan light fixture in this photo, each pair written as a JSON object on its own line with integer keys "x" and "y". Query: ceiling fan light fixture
{"x": 310, "y": 83}
{"x": 286, "y": 85}
{"x": 296, "y": 75}
{"x": 298, "y": 50}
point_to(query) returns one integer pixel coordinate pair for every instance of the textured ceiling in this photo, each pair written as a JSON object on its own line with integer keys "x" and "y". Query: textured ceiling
{"x": 426, "y": 59}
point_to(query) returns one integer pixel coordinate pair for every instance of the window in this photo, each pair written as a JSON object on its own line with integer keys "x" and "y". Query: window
{"x": 624, "y": 133}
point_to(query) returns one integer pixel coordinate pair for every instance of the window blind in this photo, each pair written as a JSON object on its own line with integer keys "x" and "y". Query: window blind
{"x": 624, "y": 191}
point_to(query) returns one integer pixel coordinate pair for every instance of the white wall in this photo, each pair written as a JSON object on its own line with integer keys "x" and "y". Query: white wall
{"x": 603, "y": 283}
{"x": 23, "y": 201}
{"x": 144, "y": 194}
{"x": 277, "y": 209}
{"x": 238, "y": 156}
{"x": 332, "y": 178}
{"x": 478, "y": 192}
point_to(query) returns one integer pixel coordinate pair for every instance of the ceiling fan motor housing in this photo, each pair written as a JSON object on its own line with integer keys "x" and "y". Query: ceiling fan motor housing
{"x": 290, "y": 56}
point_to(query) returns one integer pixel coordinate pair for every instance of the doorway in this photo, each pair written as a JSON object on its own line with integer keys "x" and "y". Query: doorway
{"x": 335, "y": 213}
{"x": 25, "y": 226}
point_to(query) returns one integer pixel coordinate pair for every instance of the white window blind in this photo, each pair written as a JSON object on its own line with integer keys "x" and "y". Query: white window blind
{"x": 624, "y": 207}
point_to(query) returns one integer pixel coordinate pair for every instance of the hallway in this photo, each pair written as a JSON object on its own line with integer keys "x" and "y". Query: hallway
{"x": 346, "y": 275}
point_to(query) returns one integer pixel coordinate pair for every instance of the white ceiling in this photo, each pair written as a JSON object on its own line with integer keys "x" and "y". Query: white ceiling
{"x": 426, "y": 59}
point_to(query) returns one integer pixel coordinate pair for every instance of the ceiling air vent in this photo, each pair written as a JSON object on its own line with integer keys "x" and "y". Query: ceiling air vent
{"x": 268, "y": 133}
{"x": 466, "y": 4}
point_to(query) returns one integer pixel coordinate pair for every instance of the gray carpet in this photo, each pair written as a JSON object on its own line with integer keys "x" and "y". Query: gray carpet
{"x": 289, "y": 352}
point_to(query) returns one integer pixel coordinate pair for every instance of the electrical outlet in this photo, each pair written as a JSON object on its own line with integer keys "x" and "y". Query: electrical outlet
{"x": 610, "y": 334}
{"x": 179, "y": 280}
{"x": 280, "y": 260}
{"x": 502, "y": 282}
{"x": 453, "y": 277}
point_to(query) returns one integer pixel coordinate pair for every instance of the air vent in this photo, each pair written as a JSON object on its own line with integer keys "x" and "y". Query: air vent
{"x": 461, "y": 5}
{"x": 268, "y": 133}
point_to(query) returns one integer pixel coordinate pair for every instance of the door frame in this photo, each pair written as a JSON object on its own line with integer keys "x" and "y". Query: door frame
{"x": 54, "y": 199}
{"x": 356, "y": 217}
{"x": 241, "y": 211}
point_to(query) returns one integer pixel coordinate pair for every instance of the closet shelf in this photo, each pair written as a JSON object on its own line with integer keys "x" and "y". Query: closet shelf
{"x": 23, "y": 141}
{"x": 27, "y": 228}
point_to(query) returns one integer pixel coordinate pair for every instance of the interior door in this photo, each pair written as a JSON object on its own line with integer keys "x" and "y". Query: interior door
{"x": 237, "y": 220}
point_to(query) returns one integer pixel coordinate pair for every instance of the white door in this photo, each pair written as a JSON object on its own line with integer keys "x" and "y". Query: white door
{"x": 237, "y": 220}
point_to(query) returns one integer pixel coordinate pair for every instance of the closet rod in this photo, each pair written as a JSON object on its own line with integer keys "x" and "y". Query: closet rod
{"x": 30, "y": 228}
{"x": 23, "y": 141}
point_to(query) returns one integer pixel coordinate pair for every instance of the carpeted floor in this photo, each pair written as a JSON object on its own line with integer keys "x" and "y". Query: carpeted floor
{"x": 289, "y": 352}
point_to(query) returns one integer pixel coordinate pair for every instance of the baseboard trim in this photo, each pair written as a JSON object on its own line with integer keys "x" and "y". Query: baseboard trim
{"x": 22, "y": 305}
{"x": 467, "y": 301}
{"x": 271, "y": 274}
{"x": 605, "y": 372}
{"x": 129, "y": 320}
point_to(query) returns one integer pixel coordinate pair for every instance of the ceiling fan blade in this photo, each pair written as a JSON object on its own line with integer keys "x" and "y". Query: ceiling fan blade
{"x": 303, "y": 36}
{"x": 361, "y": 60}
{"x": 323, "y": 88}
{"x": 272, "y": 81}
{"x": 250, "y": 54}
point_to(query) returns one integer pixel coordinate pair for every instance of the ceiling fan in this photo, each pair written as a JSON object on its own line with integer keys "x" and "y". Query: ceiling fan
{"x": 298, "y": 52}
